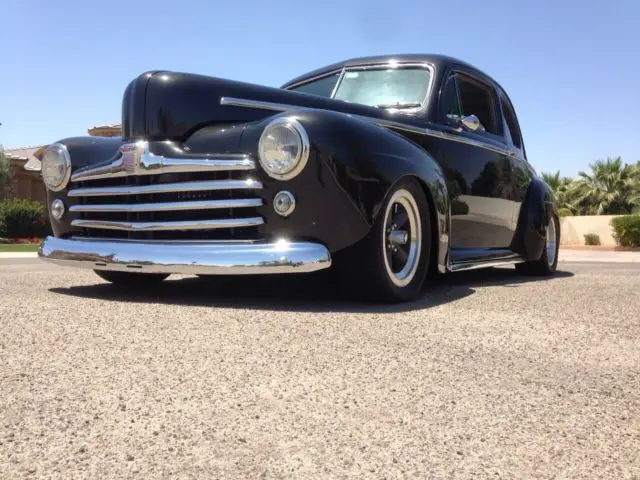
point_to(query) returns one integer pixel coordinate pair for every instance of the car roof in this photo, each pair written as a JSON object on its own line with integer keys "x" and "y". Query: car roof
{"x": 439, "y": 61}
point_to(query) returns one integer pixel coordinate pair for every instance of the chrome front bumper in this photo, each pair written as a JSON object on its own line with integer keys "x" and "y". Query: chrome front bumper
{"x": 211, "y": 258}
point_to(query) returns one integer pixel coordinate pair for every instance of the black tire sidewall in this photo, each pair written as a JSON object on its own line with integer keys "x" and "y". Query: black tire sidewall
{"x": 541, "y": 266}
{"x": 390, "y": 290}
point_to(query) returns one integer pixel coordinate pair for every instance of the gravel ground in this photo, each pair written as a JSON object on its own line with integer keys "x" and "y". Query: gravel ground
{"x": 490, "y": 375}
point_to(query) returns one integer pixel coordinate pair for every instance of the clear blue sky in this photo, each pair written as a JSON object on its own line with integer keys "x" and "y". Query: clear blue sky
{"x": 572, "y": 68}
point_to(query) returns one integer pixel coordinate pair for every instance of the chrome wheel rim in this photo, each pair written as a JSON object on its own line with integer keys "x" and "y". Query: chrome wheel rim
{"x": 402, "y": 238}
{"x": 551, "y": 242}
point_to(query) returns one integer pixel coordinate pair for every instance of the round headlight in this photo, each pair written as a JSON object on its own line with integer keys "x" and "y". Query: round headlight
{"x": 56, "y": 167}
{"x": 283, "y": 148}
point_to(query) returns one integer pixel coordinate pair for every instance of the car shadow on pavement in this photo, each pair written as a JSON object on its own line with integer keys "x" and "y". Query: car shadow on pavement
{"x": 311, "y": 292}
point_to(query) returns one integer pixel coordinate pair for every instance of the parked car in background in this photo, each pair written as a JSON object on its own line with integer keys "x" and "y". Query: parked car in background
{"x": 384, "y": 169}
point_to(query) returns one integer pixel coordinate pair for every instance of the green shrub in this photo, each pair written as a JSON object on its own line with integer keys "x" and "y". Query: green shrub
{"x": 626, "y": 230}
{"x": 564, "y": 212}
{"x": 592, "y": 239}
{"x": 20, "y": 217}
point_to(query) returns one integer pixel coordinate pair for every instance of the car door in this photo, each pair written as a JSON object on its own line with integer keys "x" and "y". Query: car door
{"x": 477, "y": 165}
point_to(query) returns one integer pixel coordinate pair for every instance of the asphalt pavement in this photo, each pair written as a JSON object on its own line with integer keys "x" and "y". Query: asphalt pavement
{"x": 488, "y": 375}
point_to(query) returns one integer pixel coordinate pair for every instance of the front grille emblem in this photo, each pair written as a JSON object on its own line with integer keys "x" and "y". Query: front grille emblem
{"x": 131, "y": 155}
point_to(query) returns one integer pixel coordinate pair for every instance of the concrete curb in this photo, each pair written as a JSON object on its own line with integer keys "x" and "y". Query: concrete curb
{"x": 18, "y": 255}
{"x": 603, "y": 256}
{"x": 599, "y": 248}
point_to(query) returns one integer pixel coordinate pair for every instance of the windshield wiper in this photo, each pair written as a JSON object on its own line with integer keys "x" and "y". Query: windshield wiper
{"x": 399, "y": 105}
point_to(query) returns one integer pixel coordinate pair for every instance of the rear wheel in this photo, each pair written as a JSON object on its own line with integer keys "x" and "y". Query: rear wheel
{"x": 391, "y": 262}
{"x": 547, "y": 263}
{"x": 130, "y": 278}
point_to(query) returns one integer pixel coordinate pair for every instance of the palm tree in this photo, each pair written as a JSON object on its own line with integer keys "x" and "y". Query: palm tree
{"x": 560, "y": 187}
{"x": 555, "y": 181}
{"x": 611, "y": 188}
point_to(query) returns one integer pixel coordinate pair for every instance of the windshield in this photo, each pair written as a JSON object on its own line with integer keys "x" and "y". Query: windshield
{"x": 389, "y": 87}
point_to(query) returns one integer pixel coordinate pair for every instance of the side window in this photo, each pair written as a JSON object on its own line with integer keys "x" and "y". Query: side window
{"x": 477, "y": 99}
{"x": 450, "y": 109}
{"x": 512, "y": 124}
{"x": 322, "y": 87}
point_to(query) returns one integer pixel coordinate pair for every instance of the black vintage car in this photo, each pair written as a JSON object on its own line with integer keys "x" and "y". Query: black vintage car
{"x": 386, "y": 169}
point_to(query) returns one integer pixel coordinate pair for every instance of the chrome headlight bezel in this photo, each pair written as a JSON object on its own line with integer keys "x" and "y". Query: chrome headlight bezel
{"x": 63, "y": 154}
{"x": 303, "y": 146}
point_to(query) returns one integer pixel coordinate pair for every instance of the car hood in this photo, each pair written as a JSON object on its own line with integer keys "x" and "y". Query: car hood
{"x": 164, "y": 105}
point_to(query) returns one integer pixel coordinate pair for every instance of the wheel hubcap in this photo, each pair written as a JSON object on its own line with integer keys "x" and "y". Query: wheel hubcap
{"x": 551, "y": 242}
{"x": 402, "y": 238}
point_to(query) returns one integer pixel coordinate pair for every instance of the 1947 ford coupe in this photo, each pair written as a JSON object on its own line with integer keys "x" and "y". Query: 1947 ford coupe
{"x": 385, "y": 169}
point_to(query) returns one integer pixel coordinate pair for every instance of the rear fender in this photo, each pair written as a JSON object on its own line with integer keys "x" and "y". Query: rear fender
{"x": 536, "y": 211}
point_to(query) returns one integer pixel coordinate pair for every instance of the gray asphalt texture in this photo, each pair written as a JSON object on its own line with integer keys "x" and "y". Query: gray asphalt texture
{"x": 489, "y": 375}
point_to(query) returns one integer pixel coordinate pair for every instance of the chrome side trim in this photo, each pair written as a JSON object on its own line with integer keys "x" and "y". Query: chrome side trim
{"x": 242, "y": 102}
{"x": 442, "y": 135}
{"x": 400, "y": 126}
{"x": 501, "y": 262}
{"x": 164, "y": 226}
{"x": 169, "y": 206}
{"x": 137, "y": 159}
{"x": 166, "y": 188}
{"x": 187, "y": 258}
{"x": 282, "y": 107}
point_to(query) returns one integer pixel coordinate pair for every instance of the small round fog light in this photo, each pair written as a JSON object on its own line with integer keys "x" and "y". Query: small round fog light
{"x": 284, "y": 203}
{"x": 57, "y": 209}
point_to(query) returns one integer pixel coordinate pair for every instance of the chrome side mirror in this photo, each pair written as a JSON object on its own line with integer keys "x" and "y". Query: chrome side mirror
{"x": 472, "y": 123}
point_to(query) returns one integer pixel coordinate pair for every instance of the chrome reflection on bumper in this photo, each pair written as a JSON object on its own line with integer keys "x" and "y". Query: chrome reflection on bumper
{"x": 213, "y": 258}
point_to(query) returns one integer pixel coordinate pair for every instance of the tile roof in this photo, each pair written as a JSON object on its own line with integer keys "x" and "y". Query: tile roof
{"x": 108, "y": 125}
{"x": 27, "y": 155}
{"x": 32, "y": 154}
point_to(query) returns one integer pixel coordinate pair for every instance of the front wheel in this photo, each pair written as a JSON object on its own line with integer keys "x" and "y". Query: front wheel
{"x": 547, "y": 264}
{"x": 130, "y": 278}
{"x": 391, "y": 262}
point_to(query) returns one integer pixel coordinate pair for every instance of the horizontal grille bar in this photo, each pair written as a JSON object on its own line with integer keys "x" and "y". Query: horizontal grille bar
{"x": 166, "y": 188}
{"x": 163, "y": 226}
{"x": 169, "y": 166}
{"x": 169, "y": 206}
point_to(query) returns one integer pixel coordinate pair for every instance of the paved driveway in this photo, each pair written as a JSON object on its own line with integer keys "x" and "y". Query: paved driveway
{"x": 490, "y": 375}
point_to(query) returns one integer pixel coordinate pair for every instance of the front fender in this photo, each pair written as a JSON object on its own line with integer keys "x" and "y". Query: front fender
{"x": 352, "y": 166}
{"x": 83, "y": 151}
{"x": 87, "y": 150}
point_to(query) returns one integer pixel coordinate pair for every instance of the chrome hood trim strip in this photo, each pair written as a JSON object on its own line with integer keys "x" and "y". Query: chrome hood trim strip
{"x": 187, "y": 258}
{"x": 137, "y": 159}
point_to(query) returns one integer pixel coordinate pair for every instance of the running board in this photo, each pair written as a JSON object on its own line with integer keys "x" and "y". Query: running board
{"x": 471, "y": 265}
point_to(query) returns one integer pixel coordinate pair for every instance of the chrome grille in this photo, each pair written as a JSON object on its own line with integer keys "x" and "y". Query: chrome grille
{"x": 141, "y": 195}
